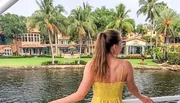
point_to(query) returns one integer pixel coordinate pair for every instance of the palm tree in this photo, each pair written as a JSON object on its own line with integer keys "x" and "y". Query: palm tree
{"x": 151, "y": 9}
{"x": 76, "y": 29}
{"x": 176, "y": 29}
{"x": 82, "y": 24}
{"x": 90, "y": 27}
{"x": 44, "y": 19}
{"x": 165, "y": 24}
{"x": 59, "y": 24}
{"x": 120, "y": 21}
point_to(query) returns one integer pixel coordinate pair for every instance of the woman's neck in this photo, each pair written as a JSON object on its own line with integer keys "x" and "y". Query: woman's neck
{"x": 110, "y": 57}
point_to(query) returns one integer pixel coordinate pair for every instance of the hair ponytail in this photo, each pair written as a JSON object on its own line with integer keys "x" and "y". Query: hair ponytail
{"x": 100, "y": 61}
{"x": 105, "y": 40}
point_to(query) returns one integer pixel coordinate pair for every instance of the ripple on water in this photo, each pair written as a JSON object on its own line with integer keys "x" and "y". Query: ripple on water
{"x": 39, "y": 86}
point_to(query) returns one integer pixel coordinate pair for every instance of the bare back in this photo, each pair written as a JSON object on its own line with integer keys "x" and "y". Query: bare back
{"x": 117, "y": 72}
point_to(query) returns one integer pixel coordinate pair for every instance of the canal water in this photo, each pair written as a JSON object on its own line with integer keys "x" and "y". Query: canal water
{"x": 43, "y": 85}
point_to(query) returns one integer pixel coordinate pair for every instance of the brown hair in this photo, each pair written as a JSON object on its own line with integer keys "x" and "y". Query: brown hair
{"x": 105, "y": 40}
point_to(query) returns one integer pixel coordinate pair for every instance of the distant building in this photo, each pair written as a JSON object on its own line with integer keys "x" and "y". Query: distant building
{"x": 30, "y": 44}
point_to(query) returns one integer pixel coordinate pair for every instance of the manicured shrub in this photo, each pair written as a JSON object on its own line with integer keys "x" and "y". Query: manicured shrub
{"x": 30, "y": 56}
{"x": 134, "y": 56}
{"x": 174, "y": 58}
{"x": 160, "y": 57}
{"x": 4, "y": 57}
{"x": 88, "y": 56}
{"x": 178, "y": 49}
{"x": 64, "y": 62}
{"x": 49, "y": 62}
{"x": 81, "y": 62}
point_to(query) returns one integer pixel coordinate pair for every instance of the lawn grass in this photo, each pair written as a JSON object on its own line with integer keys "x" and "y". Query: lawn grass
{"x": 36, "y": 61}
{"x": 149, "y": 62}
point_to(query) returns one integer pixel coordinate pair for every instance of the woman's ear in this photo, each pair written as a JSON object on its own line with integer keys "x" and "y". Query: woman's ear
{"x": 114, "y": 47}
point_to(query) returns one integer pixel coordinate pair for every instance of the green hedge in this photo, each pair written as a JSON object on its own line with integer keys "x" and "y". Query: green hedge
{"x": 49, "y": 62}
{"x": 88, "y": 56}
{"x": 4, "y": 57}
{"x": 174, "y": 58}
{"x": 160, "y": 57}
{"x": 31, "y": 56}
{"x": 134, "y": 56}
{"x": 81, "y": 62}
{"x": 64, "y": 63}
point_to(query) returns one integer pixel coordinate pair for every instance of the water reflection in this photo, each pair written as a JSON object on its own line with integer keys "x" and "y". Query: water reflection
{"x": 43, "y": 85}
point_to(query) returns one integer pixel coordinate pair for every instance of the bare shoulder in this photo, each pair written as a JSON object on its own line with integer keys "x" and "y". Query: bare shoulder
{"x": 127, "y": 65}
{"x": 88, "y": 66}
{"x": 88, "y": 63}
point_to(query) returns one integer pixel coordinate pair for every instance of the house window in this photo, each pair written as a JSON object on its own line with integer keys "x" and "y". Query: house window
{"x": 38, "y": 38}
{"x": 84, "y": 42}
{"x": 7, "y": 52}
{"x": 34, "y": 50}
{"x": 24, "y": 50}
{"x": 35, "y": 38}
{"x": 31, "y": 40}
{"x": 25, "y": 38}
{"x": 77, "y": 42}
{"x": 29, "y": 37}
{"x": 27, "y": 50}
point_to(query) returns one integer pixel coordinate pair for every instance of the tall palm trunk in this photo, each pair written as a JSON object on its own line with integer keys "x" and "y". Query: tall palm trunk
{"x": 157, "y": 36}
{"x": 174, "y": 43}
{"x": 166, "y": 42}
{"x": 152, "y": 30}
{"x": 80, "y": 51}
{"x": 89, "y": 43}
{"x": 56, "y": 43}
{"x": 92, "y": 50}
{"x": 89, "y": 47}
{"x": 151, "y": 36}
{"x": 52, "y": 51}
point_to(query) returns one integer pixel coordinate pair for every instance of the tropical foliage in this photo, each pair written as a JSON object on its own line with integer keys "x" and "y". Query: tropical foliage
{"x": 47, "y": 20}
{"x": 120, "y": 22}
{"x": 103, "y": 17}
{"x": 141, "y": 29}
{"x": 12, "y": 25}
{"x": 83, "y": 24}
{"x": 150, "y": 8}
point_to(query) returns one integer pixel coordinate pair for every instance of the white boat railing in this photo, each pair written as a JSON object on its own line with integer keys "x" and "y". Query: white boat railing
{"x": 5, "y": 4}
{"x": 156, "y": 99}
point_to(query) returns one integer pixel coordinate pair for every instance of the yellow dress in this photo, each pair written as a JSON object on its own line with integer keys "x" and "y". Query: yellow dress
{"x": 107, "y": 92}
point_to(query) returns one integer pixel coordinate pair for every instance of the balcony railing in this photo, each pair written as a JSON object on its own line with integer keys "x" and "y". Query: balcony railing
{"x": 166, "y": 99}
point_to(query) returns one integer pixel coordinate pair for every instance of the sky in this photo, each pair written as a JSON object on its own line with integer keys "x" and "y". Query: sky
{"x": 27, "y": 7}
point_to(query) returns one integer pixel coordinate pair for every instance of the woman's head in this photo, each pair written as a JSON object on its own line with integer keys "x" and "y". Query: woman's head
{"x": 108, "y": 42}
